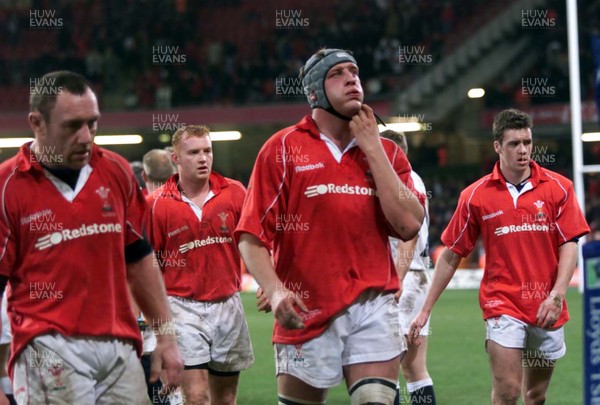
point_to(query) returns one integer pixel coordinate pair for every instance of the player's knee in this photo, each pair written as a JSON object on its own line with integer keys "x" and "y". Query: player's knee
{"x": 508, "y": 388}
{"x": 226, "y": 398}
{"x": 535, "y": 396}
{"x": 194, "y": 396}
{"x": 223, "y": 393}
{"x": 508, "y": 394}
{"x": 373, "y": 391}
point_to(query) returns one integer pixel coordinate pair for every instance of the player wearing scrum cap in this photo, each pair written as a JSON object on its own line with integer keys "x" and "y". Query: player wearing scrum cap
{"x": 324, "y": 195}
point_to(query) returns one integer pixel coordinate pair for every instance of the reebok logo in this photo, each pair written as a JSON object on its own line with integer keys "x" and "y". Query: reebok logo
{"x": 44, "y": 215}
{"x": 492, "y": 215}
{"x": 320, "y": 189}
{"x": 178, "y": 230}
{"x": 305, "y": 168}
{"x": 503, "y": 230}
{"x": 69, "y": 234}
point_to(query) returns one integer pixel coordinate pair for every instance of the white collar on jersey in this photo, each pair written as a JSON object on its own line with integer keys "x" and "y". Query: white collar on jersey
{"x": 335, "y": 151}
{"x": 67, "y": 192}
{"x": 197, "y": 210}
{"x": 514, "y": 193}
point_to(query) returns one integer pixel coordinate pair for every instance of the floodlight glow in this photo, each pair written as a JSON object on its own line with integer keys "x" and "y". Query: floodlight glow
{"x": 225, "y": 135}
{"x": 591, "y": 137}
{"x": 476, "y": 93}
{"x": 117, "y": 139}
{"x": 402, "y": 126}
{"x": 13, "y": 142}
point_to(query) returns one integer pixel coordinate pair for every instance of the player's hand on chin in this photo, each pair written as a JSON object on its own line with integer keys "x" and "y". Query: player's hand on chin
{"x": 282, "y": 303}
{"x": 363, "y": 128}
{"x": 167, "y": 363}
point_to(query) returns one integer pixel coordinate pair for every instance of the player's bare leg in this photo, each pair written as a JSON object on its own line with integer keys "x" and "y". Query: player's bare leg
{"x": 223, "y": 389}
{"x": 295, "y": 391}
{"x": 381, "y": 377}
{"x": 195, "y": 387}
{"x": 414, "y": 369}
{"x": 506, "y": 373}
{"x": 414, "y": 362}
{"x": 536, "y": 380}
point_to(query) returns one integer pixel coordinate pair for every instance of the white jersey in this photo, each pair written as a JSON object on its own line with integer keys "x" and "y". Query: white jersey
{"x": 420, "y": 259}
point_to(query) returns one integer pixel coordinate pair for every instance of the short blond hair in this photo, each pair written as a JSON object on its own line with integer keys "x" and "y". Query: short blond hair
{"x": 188, "y": 131}
{"x": 157, "y": 166}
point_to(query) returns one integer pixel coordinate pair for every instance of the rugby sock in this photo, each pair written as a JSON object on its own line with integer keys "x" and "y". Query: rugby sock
{"x": 421, "y": 392}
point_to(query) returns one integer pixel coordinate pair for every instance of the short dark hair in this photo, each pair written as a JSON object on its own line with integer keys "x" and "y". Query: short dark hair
{"x": 43, "y": 96}
{"x": 510, "y": 119}
{"x": 398, "y": 137}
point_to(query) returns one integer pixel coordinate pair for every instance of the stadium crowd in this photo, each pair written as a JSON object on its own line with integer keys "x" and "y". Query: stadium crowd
{"x": 111, "y": 44}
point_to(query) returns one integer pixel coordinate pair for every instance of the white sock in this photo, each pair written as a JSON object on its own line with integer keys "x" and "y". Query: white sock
{"x": 417, "y": 385}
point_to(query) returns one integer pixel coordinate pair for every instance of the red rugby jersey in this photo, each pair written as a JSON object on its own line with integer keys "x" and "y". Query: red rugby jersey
{"x": 324, "y": 222}
{"x": 521, "y": 237}
{"x": 63, "y": 250}
{"x": 199, "y": 258}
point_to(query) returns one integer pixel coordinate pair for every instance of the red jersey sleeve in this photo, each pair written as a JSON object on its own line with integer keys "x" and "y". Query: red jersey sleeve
{"x": 403, "y": 169}
{"x": 136, "y": 210}
{"x": 266, "y": 195}
{"x": 570, "y": 220}
{"x": 463, "y": 230}
{"x": 8, "y": 243}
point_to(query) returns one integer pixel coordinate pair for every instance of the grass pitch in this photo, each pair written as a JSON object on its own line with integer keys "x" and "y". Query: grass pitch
{"x": 457, "y": 360}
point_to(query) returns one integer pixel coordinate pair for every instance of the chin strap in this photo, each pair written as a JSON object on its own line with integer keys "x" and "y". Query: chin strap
{"x": 379, "y": 120}
{"x": 331, "y": 111}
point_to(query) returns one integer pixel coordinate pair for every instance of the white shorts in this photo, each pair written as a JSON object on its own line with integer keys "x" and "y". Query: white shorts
{"x": 414, "y": 291}
{"x": 212, "y": 333}
{"x": 535, "y": 341}
{"x": 366, "y": 331}
{"x": 5, "y": 333}
{"x": 149, "y": 340}
{"x": 56, "y": 369}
